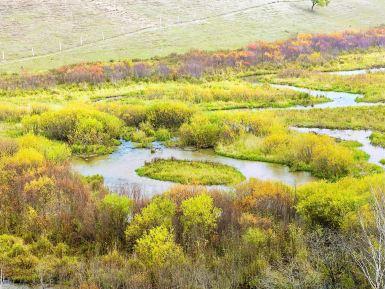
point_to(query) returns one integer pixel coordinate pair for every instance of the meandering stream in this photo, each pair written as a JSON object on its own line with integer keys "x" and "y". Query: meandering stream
{"x": 118, "y": 169}
{"x": 338, "y": 99}
{"x": 358, "y": 71}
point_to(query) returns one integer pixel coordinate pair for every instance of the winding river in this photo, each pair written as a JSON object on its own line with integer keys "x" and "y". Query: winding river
{"x": 358, "y": 71}
{"x": 118, "y": 168}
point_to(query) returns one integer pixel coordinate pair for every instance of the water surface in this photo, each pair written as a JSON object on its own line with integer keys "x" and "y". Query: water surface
{"x": 357, "y": 71}
{"x": 118, "y": 168}
{"x": 338, "y": 99}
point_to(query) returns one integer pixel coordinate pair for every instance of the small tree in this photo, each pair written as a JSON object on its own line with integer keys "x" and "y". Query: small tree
{"x": 157, "y": 249}
{"x": 114, "y": 213}
{"x": 199, "y": 218}
{"x": 160, "y": 212}
{"x": 321, "y": 3}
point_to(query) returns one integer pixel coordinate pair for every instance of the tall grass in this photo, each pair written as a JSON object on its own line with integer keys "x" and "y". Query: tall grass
{"x": 371, "y": 85}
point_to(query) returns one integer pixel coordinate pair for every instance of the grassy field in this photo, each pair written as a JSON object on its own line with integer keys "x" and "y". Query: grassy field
{"x": 103, "y": 30}
{"x": 191, "y": 172}
{"x": 338, "y": 118}
{"x": 215, "y": 95}
{"x": 370, "y": 85}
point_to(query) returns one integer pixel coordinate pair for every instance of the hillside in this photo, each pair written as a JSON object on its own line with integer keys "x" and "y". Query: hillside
{"x": 32, "y": 32}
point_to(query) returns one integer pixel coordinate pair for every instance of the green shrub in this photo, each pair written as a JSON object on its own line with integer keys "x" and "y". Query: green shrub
{"x": 319, "y": 154}
{"x": 199, "y": 218}
{"x": 27, "y": 158}
{"x": 87, "y": 131}
{"x": 37, "y": 261}
{"x": 53, "y": 151}
{"x": 255, "y": 238}
{"x": 147, "y": 128}
{"x": 10, "y": 113}
{"x": 201, "y": 132}
{"x": 328, "y": 204}
{"x": 170, "y": 115}
{"x": 132, "y": 115}
{"x": 163, "y": 134}
{"x": 114, "y": 213}
{"x": 159, "y": 212}
{"x": 157, "y": 249}
{"x": 378, "y": 139}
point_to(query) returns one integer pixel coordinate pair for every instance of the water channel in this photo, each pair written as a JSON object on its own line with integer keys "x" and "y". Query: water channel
{"x": 118, "y": 168}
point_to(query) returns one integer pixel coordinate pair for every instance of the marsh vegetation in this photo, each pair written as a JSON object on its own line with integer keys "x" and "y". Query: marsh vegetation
{"x": 193, "y": 119}
{"x": 191, "y": 172}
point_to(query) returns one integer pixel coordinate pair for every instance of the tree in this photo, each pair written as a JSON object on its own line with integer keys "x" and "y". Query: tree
{"x": 157, "y": 249}
{"x": 159, "y": 212}
{"x": 114, "y": 213}
{"x": 369, "y": 250}
{"x": 199, "y": 217}
{"x": 321, "y": 3}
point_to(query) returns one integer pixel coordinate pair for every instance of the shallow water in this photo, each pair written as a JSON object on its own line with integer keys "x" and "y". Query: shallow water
{"x": 357, "y": 71}
{"x": 338, "y": 99}
{"x": 376, "y": 153}
{"x": 118, "y": 169}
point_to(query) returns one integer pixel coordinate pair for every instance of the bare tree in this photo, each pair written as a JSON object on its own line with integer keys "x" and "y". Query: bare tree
{"x": 369, "y": 251}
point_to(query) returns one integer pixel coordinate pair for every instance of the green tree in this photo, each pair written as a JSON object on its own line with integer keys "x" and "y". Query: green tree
{"x": 157, "y": 249}
{"x": 202, "y": 131}
{"x": 199, "y": 218}
{"x": 321, "y": 3}
{"x": 114, "y": 212}
{"x": 159, "y": 212}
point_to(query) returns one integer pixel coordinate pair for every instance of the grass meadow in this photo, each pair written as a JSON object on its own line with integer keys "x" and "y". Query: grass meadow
{"x": 131, "y": 30}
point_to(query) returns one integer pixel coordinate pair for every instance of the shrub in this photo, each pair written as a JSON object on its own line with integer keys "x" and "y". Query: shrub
{"x": 169, "y": 115}
{"x": 88, "y": 131}
{"x": 132, "y": 115}
{"x": 27, "y": 158}
{"x": 378, "y": 139}
{"x": 52, "y": 151}
{"x": 332, "y": 162}
{"x": 328, "y": 204}
{"x": 114, "y": 214}
{"x": 255, "y": 238}
{"x": 159, "y": 212}
{"x": 199, "y": 218}
{"x": 321, "y": 155}
{"x": 64, "y": 124}
{"x": 10, "y": 112}
{"x": 157, "y": 249}
{"x": 163, "y": 134}
{"x": 139, "y": 136}
{"x": 38, "y": 261}
{"x": 266, "y": 199}
{"x": 8, "y": 147}
{"x": 201, "y": 132}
